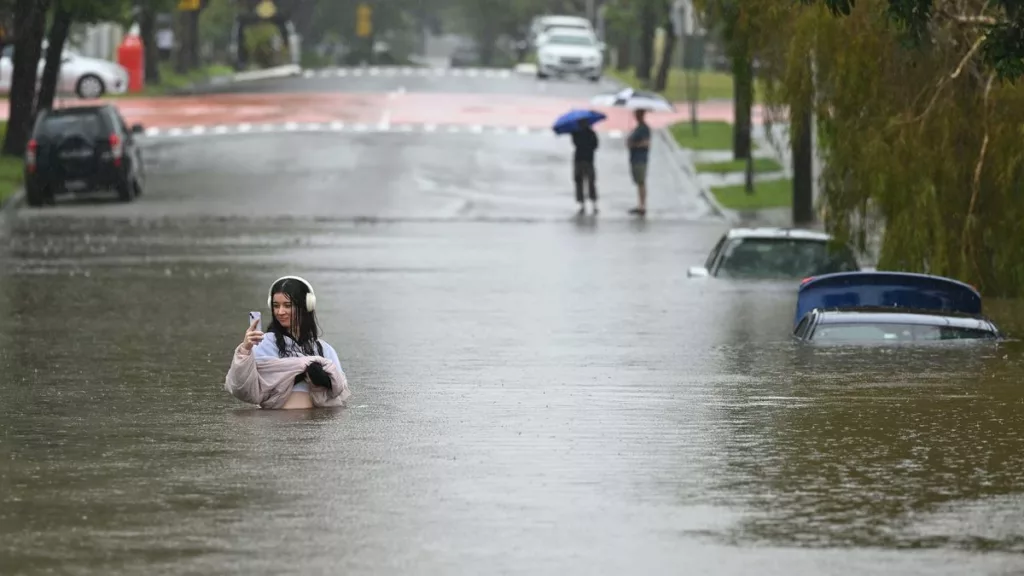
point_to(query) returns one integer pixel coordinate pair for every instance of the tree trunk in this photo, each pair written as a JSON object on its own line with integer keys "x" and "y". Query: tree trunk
{"x": 188, "y": 51}
{"x": 147, "y": 29}
{"x": 57, "y": 38}
{"x": 661, "y": 80}
{"x": 743, "y": 100}
{"x": 624, "y": 59}
{"x": 803, "y": 176}
{"x": 647, "y": 28}
{"x": 30, "y": 22}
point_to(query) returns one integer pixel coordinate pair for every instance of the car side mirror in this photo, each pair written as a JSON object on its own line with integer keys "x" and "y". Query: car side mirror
{"x": 697, "y": 272}
{"x": 138, "y": 129}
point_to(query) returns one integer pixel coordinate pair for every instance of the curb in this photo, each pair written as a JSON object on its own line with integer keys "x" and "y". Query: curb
{"x": 684, "y": 163}
{"x": 276, "y": 72}
{"x": 11, "y": 205}
{"x": 228, "y": 79}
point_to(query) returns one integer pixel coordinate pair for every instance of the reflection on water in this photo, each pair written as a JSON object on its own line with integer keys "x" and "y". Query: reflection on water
{"x": 557, "y": 398}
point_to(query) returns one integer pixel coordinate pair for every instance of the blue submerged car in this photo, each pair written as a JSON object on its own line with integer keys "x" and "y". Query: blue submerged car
{"x": 889, "y": 307}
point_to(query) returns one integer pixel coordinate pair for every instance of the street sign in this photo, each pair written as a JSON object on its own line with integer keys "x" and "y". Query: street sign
{"x": 188, "y": 5}
{"x": 364, "y": 22}
{"x": 266, "y": 9}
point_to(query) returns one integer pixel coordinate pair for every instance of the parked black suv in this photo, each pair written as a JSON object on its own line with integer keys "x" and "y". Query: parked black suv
{"x": 82, "y": 148}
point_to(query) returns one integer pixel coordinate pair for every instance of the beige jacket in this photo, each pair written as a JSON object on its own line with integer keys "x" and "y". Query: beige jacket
{"x": 268, "y": 383}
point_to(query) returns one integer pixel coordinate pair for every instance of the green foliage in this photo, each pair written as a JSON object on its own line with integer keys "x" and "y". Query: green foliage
{"x": 1003, "y": 44}
{"x": 91, "y": 11}
{"x": 259, "y": 42}
{"x": 767, "y": 194}
{"x": 710, "y": 135}
{"x": 12, "y": 170}
{"x": 730, "y": 166}
{"x": 925, "y": 139}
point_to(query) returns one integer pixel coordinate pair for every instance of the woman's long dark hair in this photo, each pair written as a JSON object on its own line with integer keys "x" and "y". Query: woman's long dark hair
{"x": 308, "y": 333}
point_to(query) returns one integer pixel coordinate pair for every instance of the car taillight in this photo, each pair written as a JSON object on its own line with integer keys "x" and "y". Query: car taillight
{"x": 116, "y": 149}
{"x": 30, "y": 155}
{"x": 806, "y": 280}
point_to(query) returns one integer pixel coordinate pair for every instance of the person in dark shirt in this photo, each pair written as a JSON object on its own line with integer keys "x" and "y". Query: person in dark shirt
{"x": 639, "y": 143}
{"x": 585, "y": 140}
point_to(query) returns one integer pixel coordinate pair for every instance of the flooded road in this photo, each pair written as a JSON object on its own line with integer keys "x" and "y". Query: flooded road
{"x": 538, "y": 397}
{"x": 532, "y": 393}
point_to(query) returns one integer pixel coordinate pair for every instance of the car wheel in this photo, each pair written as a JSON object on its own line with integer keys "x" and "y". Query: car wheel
{"x": 595, "y": 78}
{"x": 126, "y": 191}
{"x": 34, "y": 196}
{"x": 90, "y": 87}
{"x": 541, "y": 76}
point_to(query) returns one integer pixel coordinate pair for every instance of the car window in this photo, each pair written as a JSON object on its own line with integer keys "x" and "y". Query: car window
{"x": 714, "y": 253}
{"x": 801, "y": 328}
{"x": 89, "y": 125}
{"x": 891, "y": 332}
{"x": 785, "y": 258}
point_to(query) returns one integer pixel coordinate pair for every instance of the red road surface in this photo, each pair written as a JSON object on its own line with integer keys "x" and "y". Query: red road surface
{"x": 397, "y": 108}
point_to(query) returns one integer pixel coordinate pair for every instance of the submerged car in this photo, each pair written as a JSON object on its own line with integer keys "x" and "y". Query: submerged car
{"x": 889, "y": 307}
{"x": 775, "y": 253}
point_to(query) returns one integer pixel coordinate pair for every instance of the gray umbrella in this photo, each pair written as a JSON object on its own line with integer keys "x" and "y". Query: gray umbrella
{"x": 634, "y": 100}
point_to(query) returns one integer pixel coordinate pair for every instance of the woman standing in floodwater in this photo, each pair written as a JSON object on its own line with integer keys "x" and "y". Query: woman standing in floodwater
{"x": 289, "y": 367}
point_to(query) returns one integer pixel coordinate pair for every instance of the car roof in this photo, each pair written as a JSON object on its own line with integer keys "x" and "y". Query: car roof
{"x": 549, "y": 20}
{"x": 775, "y": 233}
{"x": 877, "y": 315}
{"x": 76, "y": 110}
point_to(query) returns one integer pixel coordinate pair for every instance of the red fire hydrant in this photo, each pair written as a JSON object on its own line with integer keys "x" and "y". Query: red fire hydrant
{"x": 130, "y": 55}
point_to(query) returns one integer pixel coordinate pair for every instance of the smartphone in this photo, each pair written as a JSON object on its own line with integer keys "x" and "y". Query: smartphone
{"x": 258, "y": 317}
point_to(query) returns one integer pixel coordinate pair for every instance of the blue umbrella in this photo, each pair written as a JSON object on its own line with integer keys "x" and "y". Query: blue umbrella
{"x": 569, "y": 122}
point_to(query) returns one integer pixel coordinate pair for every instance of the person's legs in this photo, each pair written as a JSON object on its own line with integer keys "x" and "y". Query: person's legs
{"x": 577, "y": 176}
{"x": 639, "y": 173}
{"x": 592, "y": 183}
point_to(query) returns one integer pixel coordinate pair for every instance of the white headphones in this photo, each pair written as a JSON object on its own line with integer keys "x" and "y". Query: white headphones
{"x": 310, "y": 297}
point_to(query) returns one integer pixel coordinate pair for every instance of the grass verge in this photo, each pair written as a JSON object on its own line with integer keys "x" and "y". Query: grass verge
{"x": 710, "y": 85}
{"x": 770, "y": 194}
{"x": 711, "y": 135}
{"x": 11, "y": 170}
{"x": 171, "y": 81}
{"x": 760, "y": 165}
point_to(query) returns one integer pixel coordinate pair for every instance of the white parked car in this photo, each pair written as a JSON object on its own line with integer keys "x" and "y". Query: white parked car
{"x": 564, "y": 51}
{"x": 88, "y": 78}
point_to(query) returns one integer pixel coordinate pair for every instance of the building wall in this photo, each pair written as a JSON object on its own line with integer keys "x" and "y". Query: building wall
{"x": 97, "y": 40}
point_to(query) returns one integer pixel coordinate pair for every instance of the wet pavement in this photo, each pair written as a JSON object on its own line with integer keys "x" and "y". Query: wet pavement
{"x": 532, "y": 392}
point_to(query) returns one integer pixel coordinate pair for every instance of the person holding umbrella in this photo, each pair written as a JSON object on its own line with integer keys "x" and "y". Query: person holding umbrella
{"x": 639, "y": 143}
{"x": 639, "y": 140}
{"x": 579, "y": 123}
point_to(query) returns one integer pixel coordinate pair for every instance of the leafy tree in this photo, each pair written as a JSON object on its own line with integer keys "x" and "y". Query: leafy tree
{"x": 65, "y": 12}
{"x": 920, "y": 139}
{"x": 1002, "y": 44}
{"x": 488, "y": 20}
{"x": 736, "y": 25}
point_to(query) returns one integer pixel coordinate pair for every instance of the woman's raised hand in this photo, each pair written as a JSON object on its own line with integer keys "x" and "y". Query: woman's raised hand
{"x": 252, "y": 336}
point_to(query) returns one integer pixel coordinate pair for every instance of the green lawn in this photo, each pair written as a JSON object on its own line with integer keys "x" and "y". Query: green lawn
{"x": 760, "y": 165}
{"x": 11, "y": 170}
{"x": 710, "y": 85}
{"x": 711, "y": 135}
{"x": 771, "y": 194}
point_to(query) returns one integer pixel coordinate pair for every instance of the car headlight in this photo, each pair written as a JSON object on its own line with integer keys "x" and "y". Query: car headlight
{"x": 546, "y": 57}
